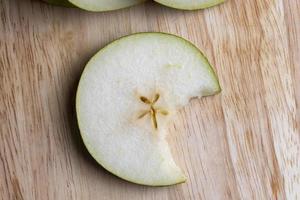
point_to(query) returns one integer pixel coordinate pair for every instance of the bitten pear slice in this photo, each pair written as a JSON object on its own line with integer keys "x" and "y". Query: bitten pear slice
{"x": 127, "y": 95}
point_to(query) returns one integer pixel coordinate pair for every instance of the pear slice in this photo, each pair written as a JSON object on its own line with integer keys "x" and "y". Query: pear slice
{"x": 96, "y": 5}
{"x": 189, "y": 4}
{"x": 126, "y": 96}
{"x": 59, "y": 2}
{"x": 104, "y": 5}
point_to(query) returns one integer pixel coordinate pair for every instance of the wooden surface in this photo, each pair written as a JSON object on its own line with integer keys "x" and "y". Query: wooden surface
{"x": 241, "y": 144}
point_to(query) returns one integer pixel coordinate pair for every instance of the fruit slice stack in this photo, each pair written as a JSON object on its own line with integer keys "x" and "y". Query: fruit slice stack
{"x": 107, "y": 5}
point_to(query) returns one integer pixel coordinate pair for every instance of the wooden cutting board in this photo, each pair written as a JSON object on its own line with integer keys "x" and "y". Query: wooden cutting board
{"x": 241, "y": 144}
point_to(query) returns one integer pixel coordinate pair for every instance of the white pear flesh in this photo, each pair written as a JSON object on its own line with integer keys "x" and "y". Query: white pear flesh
{"x": 109, "y": 106}
{"x": 189, "y": 4}
{"x": 104, "y": 5}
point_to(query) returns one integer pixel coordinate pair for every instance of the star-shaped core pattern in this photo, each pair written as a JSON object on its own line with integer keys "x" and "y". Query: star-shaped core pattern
{"x": 153, "y": 111}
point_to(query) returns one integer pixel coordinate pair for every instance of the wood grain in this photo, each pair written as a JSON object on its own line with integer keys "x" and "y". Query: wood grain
{"x": 241, "y": 144}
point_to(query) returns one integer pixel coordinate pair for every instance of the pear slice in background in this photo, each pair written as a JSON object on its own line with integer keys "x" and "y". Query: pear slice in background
{"x": 128, "y": 93}
{"x": 190, "y": 4}
{"x": 104, "y": 5}
{"x": 96, "y": 5}
{"x": 65, "y": 3}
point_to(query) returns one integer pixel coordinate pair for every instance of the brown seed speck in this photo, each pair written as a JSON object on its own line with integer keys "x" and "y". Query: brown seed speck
{"x": 145, "y": 100}
{"x": 155, "y": 98}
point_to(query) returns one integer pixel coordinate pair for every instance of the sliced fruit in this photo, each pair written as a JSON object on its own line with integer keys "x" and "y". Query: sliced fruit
{"x": 104, "y": 5}
{"x": 126, "y": 96}
{"x": 189, "y": 4}
{"x": 96, "y": 5}
{"x": 60, "y": 2}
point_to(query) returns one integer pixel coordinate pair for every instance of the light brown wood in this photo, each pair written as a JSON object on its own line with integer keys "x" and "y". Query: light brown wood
{"x": 241, "y": 144}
